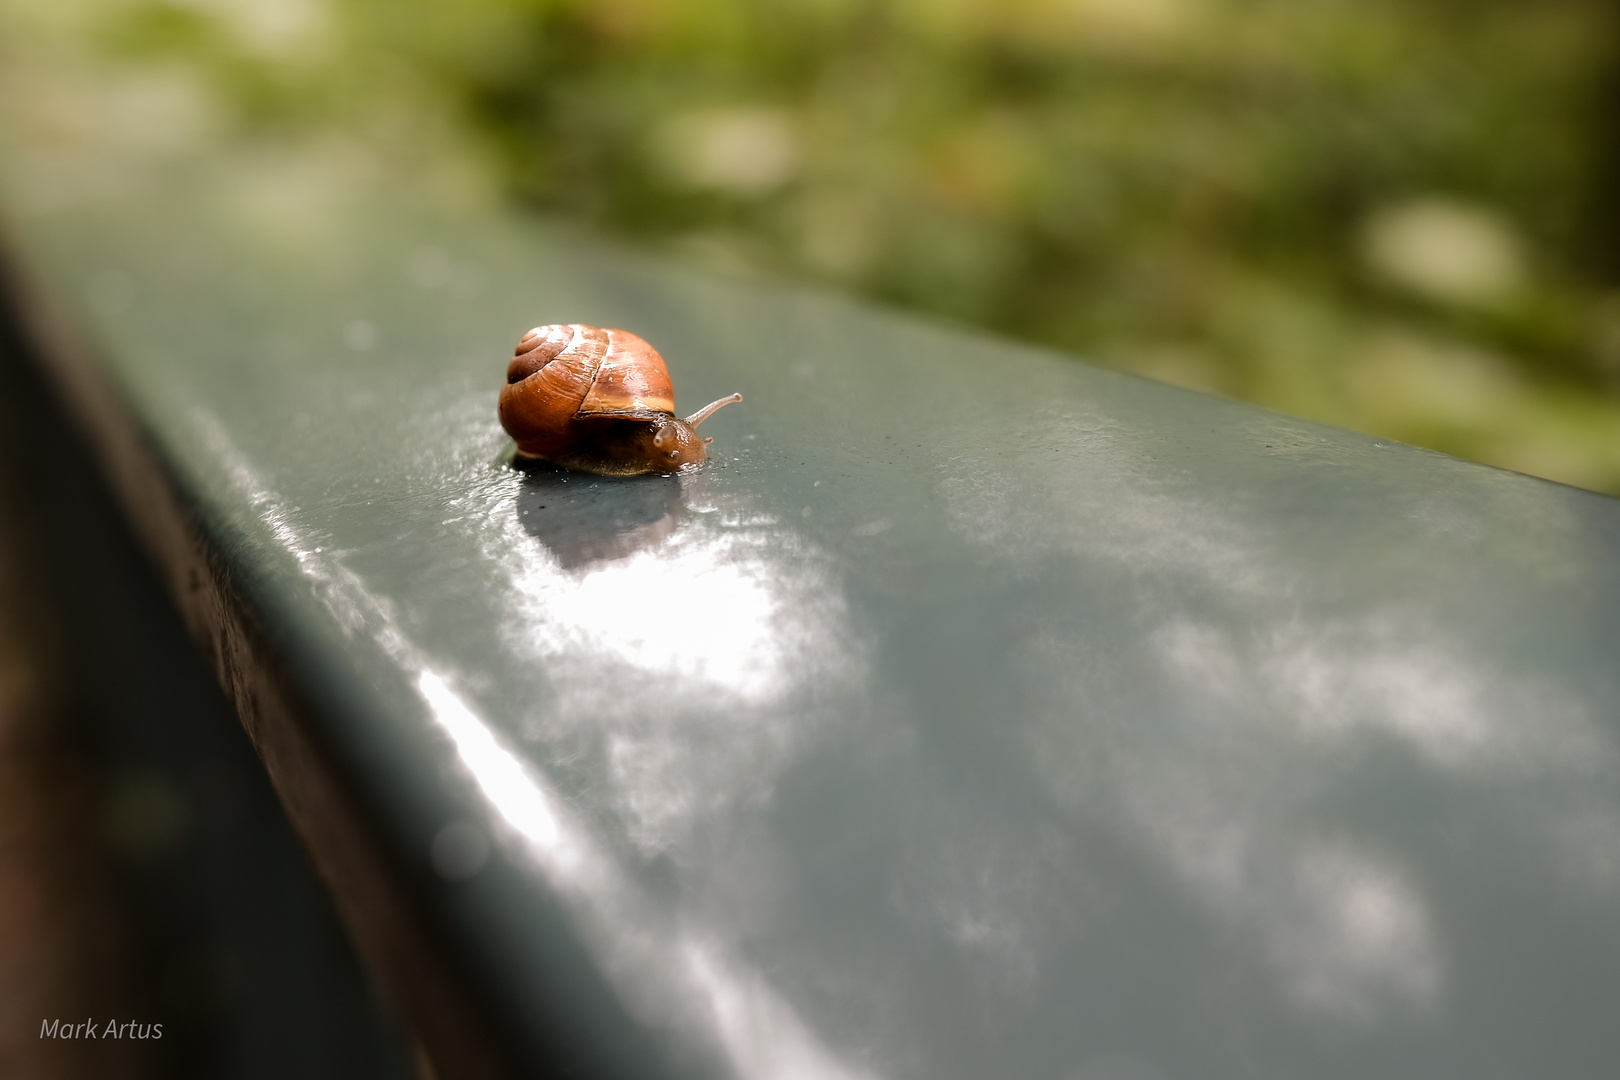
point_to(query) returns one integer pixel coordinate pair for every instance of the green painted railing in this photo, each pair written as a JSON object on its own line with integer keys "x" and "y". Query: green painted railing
{"x": 973, "y": 713}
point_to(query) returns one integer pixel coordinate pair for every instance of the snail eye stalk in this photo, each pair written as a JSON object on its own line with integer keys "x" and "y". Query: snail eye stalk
{"x": 710, "y": 409}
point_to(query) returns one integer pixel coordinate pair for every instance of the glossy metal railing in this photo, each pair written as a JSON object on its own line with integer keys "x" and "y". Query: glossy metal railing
{"x": 973, "y": 713}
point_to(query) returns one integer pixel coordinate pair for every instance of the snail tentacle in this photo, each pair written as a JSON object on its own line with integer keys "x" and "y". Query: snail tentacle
{"x": 710, "y": 409}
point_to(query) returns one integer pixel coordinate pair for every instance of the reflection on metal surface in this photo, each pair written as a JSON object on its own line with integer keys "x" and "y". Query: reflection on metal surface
{"x": 1391, "y": 674}
{"x": 1253, "y": 691}
{"x": 674, "y": 976}
{"x": 690, "y": 668}
{"x": 679, "y": 975}
{"x": 1345, "y": 930}
{"x": 514, "y": 794}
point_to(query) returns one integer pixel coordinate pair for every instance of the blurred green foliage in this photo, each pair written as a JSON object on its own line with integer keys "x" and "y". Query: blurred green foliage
{"x": 1389, "y": 215}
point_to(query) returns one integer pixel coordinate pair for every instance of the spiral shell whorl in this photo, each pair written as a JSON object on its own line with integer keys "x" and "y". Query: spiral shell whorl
{"x": 537, "y": 349}
{"x": 566, "y": 379}
{"x": 598, "y": 401}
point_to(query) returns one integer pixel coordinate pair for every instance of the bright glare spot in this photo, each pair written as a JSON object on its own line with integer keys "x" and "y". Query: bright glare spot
{"x": 498, "y": 773}
{"x": 746, "y": 151}
{"x": 1446, "y": 251}
{"x": 686, "y": 614}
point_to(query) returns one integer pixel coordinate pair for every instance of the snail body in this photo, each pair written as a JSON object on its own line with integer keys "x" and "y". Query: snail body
{"x": 598, "y": 401}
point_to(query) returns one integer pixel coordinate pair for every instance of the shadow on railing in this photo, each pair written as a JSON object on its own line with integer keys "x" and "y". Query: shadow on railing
{"x": 587, "y": 519}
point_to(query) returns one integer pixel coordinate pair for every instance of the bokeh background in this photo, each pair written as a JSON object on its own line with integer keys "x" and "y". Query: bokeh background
{"x": 1393, "y": 215}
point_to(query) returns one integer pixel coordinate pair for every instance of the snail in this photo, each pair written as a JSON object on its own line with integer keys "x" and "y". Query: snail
{"x": 598, "y": 401}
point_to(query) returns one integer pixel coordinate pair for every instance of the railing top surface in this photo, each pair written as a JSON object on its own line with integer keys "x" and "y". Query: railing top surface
{"x": 975, "y": 712}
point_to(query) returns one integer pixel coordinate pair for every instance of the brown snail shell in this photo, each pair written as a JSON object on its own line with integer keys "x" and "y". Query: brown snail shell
{"x": 598, "y": 401}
